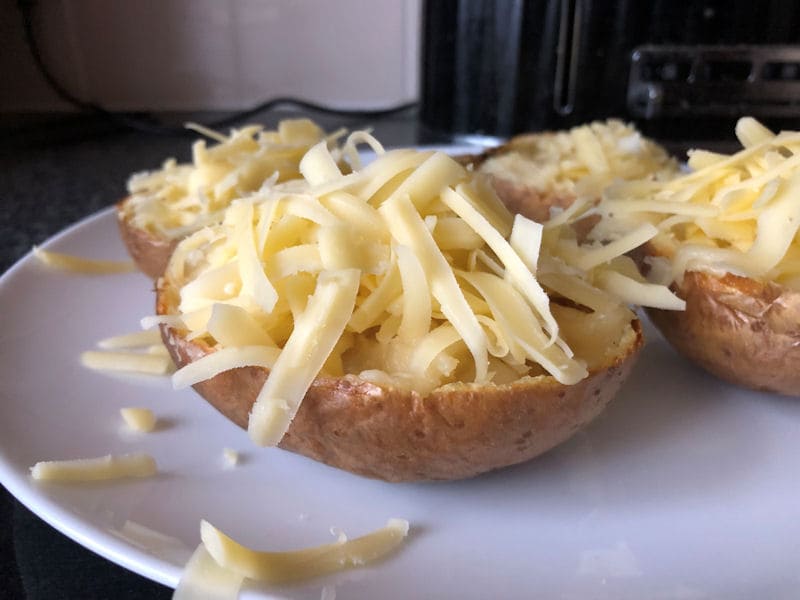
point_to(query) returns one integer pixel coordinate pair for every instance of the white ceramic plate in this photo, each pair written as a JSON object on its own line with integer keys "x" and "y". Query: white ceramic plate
{"x": 686, "y": 488}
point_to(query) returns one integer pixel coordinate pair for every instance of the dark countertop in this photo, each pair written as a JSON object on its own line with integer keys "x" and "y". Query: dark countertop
{"x": 54, "y": 171}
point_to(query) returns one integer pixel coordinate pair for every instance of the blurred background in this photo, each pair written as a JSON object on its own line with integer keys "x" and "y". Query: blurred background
{"x": 478, "y": 69}
{"x": 189, "y": 55}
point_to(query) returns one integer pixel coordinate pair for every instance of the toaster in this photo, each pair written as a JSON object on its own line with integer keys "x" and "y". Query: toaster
{"x": 676, "y": 68}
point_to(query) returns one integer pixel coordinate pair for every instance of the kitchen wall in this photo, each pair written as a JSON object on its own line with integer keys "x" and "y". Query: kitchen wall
{"x": 213, "y": 54}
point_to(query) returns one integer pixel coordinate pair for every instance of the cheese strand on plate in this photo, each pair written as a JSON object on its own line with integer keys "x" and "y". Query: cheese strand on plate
{"x": 95, "y": 469}
{"x": 79, "y": 264}
{"x": 285, "y": 567}
{"x": 204, "y": 579}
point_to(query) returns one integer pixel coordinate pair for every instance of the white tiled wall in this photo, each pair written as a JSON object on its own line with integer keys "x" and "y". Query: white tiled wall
{"x": 214, "y": 54}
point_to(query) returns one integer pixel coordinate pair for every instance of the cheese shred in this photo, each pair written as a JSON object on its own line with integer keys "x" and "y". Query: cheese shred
{"x": 299, "y": 565}
{"x": 128, "y": 362}
{"x": 78, "y": 264}
{"x": 95, "y": 469}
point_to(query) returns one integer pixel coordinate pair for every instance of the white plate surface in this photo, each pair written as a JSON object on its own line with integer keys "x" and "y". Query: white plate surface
{"x": 686, "y": 488}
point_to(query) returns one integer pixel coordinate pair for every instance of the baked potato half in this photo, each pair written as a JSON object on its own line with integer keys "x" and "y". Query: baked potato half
{"x": 726, "y": 240}
{"x": 150, "y": 251}
{"x": 535, "y": 173}
{"x": 389, "y": 321}
{"x": 167, "y": 204}
{"x": 742, "y": 330}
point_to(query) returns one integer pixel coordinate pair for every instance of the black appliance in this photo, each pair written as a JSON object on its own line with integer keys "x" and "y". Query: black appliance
{"x": 676, "y": 68}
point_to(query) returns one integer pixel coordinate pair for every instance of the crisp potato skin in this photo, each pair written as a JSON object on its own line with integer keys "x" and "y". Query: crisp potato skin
{"x": 739, "y": 329}
{"x": 149, "y": 252}
{"x": 455, "y": 432}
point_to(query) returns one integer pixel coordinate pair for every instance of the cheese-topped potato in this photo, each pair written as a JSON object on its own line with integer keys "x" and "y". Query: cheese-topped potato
{"x": 168, "y": 204}
{"x": 728, "y": 243}
{"x": 536, "y": 172}
{"x": 398, "y": 322}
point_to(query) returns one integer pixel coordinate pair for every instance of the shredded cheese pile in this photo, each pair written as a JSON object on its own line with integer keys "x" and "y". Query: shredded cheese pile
{"x": 581, "y": 161}
{"x": 736, "y": 213}
{"x": 179, "y": 199}
{"x": 409, "y": 273}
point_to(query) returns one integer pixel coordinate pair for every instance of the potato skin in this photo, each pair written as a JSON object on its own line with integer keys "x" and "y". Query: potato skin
{"x": 741, "y": 330}
{"x": 455, "y": 432}
{"x": 149, "y": 252}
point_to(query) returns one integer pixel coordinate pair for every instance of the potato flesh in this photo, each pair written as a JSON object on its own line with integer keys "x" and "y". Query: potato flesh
{"x": 595, "y": 338}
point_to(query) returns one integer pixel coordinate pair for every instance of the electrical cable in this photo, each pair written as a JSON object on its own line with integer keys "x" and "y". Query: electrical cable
{"x": 148, "y": 123}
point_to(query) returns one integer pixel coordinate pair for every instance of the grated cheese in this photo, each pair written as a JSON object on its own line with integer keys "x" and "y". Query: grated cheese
{"x": 155, "y": 320}
{"x": 139, "y": 419}
{"x": 224, "y": 359}
{"x": 78, "y": 264}
{"x": 230, "y": 457}
{"x": 408, "y": 228}
{"x": 232, "y": 325}
{"x": 582, "y": 161}
{"x": 639, "y": 293}
{"x": 254, "y": 282}
{"x": 523, "y": 279}
{"x": 299, "y": 565}
{"x": 751, "y": 133}
{"x": 95, "y": 469}
{"x": 204, "y": 579}
{"x": 350, "y": 149}
{"x": 408, "y": 272}
{"x": 179, "y": 199}
{"x": 733, "y": 213}
{"x": 318, "y": 166}
{"x": 526, "y": 240}
{"x": 315, "y": 334}
{"x": 136, "y": 339}
{"x": 605, "y": 253}
{"x": 415, "y": 319}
